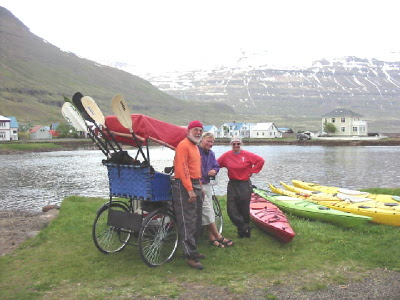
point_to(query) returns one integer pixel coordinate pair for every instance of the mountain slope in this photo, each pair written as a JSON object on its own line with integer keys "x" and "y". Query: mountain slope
{"x": 34, "y": 75}
{"x": 297, "y": 96}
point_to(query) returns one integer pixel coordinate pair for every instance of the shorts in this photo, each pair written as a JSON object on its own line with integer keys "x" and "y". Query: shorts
{"x": 208, "y": 214}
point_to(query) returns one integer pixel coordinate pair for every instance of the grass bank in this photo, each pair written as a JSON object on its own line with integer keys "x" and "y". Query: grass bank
{"x": 28, "y": 146}
{"x": 62, "y": 261}
{"x": 44, "y": 145}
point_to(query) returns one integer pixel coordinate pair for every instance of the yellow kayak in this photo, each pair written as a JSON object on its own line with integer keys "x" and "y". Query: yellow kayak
{"x": 381, "y": 213}
{"x": 331, "y": 189}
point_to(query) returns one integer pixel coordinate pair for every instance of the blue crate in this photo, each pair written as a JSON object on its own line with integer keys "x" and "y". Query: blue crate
{"x": 135, "y": 182}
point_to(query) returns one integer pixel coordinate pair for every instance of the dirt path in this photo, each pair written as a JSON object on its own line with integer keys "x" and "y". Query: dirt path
{"x": 18, "y": 226}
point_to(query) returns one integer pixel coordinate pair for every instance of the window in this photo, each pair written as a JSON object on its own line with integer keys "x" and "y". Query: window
{"x": 2, "y": 124}
{"x": 333, "y": 120}
{"x": 2, "y": 135}
{"x": 343, "y": 120}
{"x": 355, "y": 129}
{"x": 343, "y": 129}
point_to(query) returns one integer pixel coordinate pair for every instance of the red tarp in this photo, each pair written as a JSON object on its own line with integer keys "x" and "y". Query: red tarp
{"x": 146, "y": 127}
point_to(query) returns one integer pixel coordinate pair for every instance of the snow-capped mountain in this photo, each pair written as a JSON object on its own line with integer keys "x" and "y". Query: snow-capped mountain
{"x": 254, "y": 86}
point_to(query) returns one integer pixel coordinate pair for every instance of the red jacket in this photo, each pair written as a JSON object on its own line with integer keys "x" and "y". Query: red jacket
{"x": 242, "y": 165}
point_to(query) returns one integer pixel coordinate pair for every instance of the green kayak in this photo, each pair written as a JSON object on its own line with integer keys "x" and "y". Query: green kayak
{"x": 313, "y": 211}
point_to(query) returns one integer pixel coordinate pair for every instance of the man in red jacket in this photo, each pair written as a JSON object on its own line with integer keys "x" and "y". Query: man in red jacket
{"x": 187, "y": 193}
{"x": 241, "y": 164}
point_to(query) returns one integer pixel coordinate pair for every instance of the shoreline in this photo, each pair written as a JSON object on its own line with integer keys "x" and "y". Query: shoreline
{"x": 74, "y": 144}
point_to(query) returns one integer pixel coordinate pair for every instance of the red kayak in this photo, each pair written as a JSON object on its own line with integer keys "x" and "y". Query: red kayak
{"x": 270, "y": 218}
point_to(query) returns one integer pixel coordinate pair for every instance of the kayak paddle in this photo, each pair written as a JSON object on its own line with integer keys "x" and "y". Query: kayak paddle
{"x": 94, "y": 112}
{"x": 123, "y": 114}
{"x": 74, "y": 118}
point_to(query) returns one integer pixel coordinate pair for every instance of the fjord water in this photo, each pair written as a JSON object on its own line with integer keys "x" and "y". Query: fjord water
{"x": 31, "y": 180}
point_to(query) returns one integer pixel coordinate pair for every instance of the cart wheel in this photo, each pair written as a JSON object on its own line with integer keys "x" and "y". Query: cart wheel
{"x": 218, "y": 213}
{"x": 109, "y": 239}
{"x": 158, "y": 238}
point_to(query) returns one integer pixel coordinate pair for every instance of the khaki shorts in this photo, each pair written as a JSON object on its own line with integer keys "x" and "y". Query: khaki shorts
{"x": 208, "y": 214}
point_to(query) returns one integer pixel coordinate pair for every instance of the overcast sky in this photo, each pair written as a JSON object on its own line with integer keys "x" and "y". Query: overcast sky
{"x": 164, "y": 35}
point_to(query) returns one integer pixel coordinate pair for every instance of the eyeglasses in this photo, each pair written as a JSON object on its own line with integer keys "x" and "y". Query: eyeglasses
{"x": 235, "y": 144}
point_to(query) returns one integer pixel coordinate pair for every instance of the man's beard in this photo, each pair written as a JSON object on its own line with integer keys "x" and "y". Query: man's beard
{"x": 194, "y": 139}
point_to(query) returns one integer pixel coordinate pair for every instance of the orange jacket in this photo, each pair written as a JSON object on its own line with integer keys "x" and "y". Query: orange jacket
{"x": 187, "y": 163}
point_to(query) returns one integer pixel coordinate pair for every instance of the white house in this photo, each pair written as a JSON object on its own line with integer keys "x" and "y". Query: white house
{"x": 265, "y": 131}
{"x": 8, "y": 129}
{"x": 5, "y": 134}
{"x": 212, "y": 129}
{"x": 13, "y": 129}
{"x": 347, "y": 123}
{"x": 40, "y": 132}
{"x": 241, "y": 130}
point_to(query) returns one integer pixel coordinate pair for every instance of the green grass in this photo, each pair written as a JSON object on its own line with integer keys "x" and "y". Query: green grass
{"x": 393, "y": 191}
{"x": 27, "y": 146}
{"x": 62, "y": 261}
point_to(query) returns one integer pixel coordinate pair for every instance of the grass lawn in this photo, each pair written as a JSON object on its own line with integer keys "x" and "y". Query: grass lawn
{"x": 62, "y": 261}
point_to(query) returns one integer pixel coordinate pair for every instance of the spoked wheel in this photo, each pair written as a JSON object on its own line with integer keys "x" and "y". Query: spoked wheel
{"x": 158, "y": 238}
{"x": 218, "y": 213}
{"x": 109, "y": 239}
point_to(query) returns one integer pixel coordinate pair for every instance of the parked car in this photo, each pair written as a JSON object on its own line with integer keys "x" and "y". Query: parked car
{"x": 303, "y": 136}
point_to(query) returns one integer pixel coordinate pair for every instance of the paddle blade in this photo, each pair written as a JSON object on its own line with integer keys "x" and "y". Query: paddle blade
{"x": 76, "y": 99}
{"x": 93, "y": 110}
{"x": 73, "y": 117}
{"x": 121, "y": 111}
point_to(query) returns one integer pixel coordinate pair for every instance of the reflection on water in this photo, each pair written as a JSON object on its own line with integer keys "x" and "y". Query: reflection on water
{"x": 30, "y": 181}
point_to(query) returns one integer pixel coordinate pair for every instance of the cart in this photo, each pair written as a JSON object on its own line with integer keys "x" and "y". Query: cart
{"x": 140, "y": 211}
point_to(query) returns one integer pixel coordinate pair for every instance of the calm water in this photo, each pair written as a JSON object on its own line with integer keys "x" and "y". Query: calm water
{"x": 30, "y": 181}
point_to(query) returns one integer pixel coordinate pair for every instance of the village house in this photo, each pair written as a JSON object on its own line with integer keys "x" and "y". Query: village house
{"x": 14, "y": 129}
{"x": 212, "y": 129}
{"x": 39, "y": 132}
{"x": 285, "y": 130}
{"x": 4, "y": 128}
{"x": 265, "y": 131}
{"x": 241, "y": 130}
{"x": 347, "y": 123}
{"x": 8, "y": 129}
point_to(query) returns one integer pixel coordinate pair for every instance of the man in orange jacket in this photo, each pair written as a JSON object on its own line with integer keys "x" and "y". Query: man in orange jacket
{"x": 187, "y": 193}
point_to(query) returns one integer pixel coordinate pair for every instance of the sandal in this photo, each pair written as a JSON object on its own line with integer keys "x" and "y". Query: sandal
{"x": 226, "y": 242}
{"x": 219, "y": 245}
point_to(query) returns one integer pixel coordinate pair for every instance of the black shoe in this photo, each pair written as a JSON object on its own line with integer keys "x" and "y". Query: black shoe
{"x": 247, "y": 233}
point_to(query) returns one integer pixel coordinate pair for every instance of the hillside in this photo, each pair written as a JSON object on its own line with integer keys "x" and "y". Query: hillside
{"x": 35, "y": 75}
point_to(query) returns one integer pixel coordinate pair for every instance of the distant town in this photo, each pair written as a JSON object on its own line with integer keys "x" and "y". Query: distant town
{"x": 337, "y": 123}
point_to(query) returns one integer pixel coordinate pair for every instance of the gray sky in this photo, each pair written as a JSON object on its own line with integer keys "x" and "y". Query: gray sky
{"x": 164, "y": 35}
